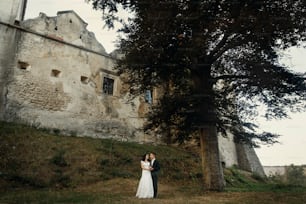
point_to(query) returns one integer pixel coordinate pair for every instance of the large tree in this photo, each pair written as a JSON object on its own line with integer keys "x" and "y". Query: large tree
{"x": 216, "y": 60}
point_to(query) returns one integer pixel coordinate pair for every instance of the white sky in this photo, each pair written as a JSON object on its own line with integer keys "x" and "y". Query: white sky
{"x": 292, "y": 147}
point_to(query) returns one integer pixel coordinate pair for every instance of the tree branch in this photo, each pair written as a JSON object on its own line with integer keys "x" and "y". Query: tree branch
{"x": 234, "y": 42}
{"x": 220, "y": 44}
{"x": 227, "y": 76}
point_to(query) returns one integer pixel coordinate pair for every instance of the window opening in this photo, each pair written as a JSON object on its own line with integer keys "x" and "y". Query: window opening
{"x": 108, "y": 86}
{"x": 148, "y": 96}
{"x": 23, "y": 65}
{"x": 84, "y": 79}
{"x": 55, "y": 73}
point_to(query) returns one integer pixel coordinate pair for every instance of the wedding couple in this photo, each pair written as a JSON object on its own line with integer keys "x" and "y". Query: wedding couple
{"x": 147, "y": 187}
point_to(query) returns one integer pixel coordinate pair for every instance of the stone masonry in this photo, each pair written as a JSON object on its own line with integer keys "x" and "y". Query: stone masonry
{"x": 59, "y": 69}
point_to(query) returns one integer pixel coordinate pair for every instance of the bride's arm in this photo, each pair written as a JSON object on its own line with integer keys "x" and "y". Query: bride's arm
{"x": 143, "y": 166}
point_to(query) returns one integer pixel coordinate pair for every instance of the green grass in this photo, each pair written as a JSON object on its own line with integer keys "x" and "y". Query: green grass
{"x": 34, "y": 158}
{"x": 38, "y": 167}
{"x": 240, "y": 181}
{"x": 51, "y": 196}
{"x": 68, "y": 196}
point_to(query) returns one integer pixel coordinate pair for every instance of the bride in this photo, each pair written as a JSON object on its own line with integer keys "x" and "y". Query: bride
{"x": 145, "y": 186}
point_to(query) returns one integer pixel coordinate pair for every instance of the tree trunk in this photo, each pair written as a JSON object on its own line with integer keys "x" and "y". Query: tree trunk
{"x": 211, "y": 166}
{"x": 206, "y": 121}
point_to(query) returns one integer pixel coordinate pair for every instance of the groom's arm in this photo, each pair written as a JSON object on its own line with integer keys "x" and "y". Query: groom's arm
{"x": 156, "y": 166}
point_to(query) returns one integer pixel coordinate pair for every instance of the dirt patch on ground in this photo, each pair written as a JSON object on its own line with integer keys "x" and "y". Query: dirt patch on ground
{"x": 176, "y": 194}
{"x": 127, "y": 187}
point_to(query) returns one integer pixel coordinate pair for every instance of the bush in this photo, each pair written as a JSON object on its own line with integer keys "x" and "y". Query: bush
{"x": 24, "y": 180}
{"x": 258, "y": 177}
{"x": 61, "y": 180}
{"x": 295, "y": 175}
{"x": 58, "y": 159}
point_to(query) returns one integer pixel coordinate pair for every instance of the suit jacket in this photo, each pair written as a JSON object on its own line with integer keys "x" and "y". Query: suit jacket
{"x": 155, "y": 166}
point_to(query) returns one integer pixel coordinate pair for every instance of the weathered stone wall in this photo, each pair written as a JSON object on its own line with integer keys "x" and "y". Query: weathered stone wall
{"x": 248, "y": 160}
{"x": 227, "y": 150}
{"x": 240, "y": 155}
{"x": 274, "y": 170}
{"x": 9, "y": 12}
{"x": 57, "y": 83}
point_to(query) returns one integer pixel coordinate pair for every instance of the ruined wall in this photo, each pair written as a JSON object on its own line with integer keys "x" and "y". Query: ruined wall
{"x": 274, "y": 170}
{"x": 9, "y": 12}
{"x": 248, "y": 160}
{"x": 227, "y": 150}
{"x": 240, "y": 155}
{"x": 58, "y": 82}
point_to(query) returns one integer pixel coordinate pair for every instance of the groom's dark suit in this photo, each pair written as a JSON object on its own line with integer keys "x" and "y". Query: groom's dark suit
{"x": 154, "y": 174}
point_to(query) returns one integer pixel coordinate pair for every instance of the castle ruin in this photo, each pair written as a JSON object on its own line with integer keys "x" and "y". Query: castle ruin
{"x": 54, "y": 74}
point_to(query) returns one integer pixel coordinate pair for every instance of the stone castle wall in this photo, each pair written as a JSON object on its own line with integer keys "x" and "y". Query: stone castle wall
{"x": 9, "y": 10}
{"x": 53, "y": 71}
{"x": 57, "y": 83}
{"x": 227, "y": 149}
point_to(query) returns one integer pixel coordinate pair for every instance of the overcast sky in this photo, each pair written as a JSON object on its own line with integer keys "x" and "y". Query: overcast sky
{"x": 292, "y": 147}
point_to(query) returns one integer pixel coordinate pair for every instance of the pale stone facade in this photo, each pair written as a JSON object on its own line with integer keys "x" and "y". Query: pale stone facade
{"x": 227, "y": 149}
{"x": 58, "y": 82}
{"x": 54, "y": 74}
{"x": 10, "y": 11}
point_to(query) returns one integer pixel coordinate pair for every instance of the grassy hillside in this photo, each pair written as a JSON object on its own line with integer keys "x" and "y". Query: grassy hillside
{"x": 38, "y": 167}
{"x": 30, "y": 157}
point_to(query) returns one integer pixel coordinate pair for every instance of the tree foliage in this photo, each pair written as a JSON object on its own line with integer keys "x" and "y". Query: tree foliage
{"x": 217, "y": 60}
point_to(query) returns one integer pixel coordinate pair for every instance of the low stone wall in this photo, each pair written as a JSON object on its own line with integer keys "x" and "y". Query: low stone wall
{"x": 274, "y": 170}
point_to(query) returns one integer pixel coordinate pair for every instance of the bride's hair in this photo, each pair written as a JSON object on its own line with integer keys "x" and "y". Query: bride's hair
{"x": 144, "y": 157}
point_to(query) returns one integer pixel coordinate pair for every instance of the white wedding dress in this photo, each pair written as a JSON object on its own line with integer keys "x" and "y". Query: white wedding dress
{"x": 145, "y": 186}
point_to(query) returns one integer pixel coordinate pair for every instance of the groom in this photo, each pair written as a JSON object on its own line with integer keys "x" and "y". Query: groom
{"x": 154, "y": 171}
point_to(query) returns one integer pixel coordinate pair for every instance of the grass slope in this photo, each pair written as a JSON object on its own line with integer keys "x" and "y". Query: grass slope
{"x": 38, "y": 167}
{"x": 34, "y": 158}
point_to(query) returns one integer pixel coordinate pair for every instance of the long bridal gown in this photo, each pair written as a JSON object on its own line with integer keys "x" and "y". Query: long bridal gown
{"x": 145, "y": 186}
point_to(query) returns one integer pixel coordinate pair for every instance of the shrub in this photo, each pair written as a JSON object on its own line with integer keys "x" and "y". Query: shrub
{"x": 58, "y": 159}
{"x": 60, "y": 179}
{"x": 295, "y": 175}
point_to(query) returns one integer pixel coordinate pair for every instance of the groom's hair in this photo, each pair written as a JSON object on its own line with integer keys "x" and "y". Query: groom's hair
{"x": 153, "y": 153}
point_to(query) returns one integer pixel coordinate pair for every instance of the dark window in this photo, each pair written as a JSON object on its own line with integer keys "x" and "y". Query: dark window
{"x": 84, "y": 79}
{"x": 148, "y": 96}
{"x": 108, "y": 86}
{"x": 23, "y": 65}
{"x": 55, "y": 73}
